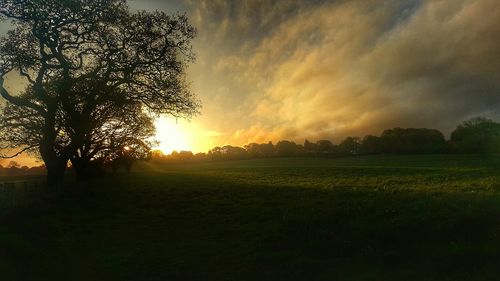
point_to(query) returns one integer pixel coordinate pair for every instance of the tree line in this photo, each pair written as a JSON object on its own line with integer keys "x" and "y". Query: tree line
{"x": 13, "y": 168}
{"x": 477, "y": 135}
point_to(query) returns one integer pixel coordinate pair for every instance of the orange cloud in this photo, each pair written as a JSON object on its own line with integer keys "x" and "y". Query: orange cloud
{"x": 316, "y": 69}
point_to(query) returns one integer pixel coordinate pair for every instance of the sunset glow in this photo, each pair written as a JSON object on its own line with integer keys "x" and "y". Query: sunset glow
{"x": 249, "y": 140}
{"x": 172, "y": 136}
{"x": 297, "y": 70}
{"x": 182, "y": 135}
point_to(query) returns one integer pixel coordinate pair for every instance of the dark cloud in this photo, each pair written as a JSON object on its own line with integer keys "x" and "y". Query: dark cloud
{"x": 296, "y": 69}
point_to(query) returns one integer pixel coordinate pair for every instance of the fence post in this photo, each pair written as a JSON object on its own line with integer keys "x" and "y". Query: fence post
{"x": 10, "y": 194}
{"x": 2, "y": 196}
{"x": 37, "y": 189}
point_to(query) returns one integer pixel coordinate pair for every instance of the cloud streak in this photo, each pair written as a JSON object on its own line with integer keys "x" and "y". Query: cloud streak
{"x": 328, "y": 69}
{"x": 296, "y": 69}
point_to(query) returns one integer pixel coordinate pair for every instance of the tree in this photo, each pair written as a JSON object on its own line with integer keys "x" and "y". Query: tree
{"x": 260, "y": 150}
{"x": 371, "y": 145}
{"x": 477, "y": 135}
{"x": 350, "y": 145}
{"x": 109, "y": 129}
{"x": 13, "y": 164}
{"x": 411, "y": 140}
{"x": 309, "y": 147}
{"x": 325, "y": 147}
{"x": 89, "y": 63}
{"x": 230, "y": 152}
{"x": 286, "y": 148}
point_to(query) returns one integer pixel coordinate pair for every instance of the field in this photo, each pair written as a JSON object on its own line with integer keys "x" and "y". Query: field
{"x": 359, "y": 218}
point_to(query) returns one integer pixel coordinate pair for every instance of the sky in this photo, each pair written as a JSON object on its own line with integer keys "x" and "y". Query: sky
{"x": 313, "y": 69}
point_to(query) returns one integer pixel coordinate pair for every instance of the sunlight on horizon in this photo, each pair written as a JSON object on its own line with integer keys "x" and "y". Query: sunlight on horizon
{"x": 182, "y": 135}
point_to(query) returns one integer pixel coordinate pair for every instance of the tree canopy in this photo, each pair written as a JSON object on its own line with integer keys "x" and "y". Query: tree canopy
{"x": 476, "y": 135}
{"x": 97, "y": 74}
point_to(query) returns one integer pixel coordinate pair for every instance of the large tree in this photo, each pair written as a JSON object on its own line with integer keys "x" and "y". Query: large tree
{"x": 91, "y": 66}
{"x": 109, "y": 128}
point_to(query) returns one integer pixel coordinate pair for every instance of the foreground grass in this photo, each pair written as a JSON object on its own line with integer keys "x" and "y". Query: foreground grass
{"x": 360, "y": 218}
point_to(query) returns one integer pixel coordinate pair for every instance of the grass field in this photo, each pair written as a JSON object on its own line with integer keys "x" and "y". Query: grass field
{"x": 359, "y": 218}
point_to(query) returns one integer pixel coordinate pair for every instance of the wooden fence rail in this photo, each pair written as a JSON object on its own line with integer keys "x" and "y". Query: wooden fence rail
{"x": 20, "y": 193}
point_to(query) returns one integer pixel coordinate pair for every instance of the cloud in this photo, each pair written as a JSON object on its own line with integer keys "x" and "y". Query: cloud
{"x": 328, "y": 69}
{"x": 296, "y": 69}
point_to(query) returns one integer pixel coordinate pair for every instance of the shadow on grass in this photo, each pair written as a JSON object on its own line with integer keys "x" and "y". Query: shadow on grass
{"x": 181, "y": 226}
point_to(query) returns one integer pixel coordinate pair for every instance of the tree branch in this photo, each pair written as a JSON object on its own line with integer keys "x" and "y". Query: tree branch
{"x": 18, "y": 153}
{"x": 17, "y": 100}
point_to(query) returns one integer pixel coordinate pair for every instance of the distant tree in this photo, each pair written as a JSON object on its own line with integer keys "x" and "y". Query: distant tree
{"x": 215, "y": 153}
{"x": 157, "y": 154}
{"x": 200, "y": 156}
{"x": 310, "y": 147}
{"x": 13, "y": 164}
{"x": 182, "y": 156}
{"x": 371, "y": 145}
{"x": 233, "y": 152}
{"x": 286, "y": 148}
{"x": 477, "y": 135}
{"x": 325, "y": 147}
{"x": 89, "y": 61}
{"x": 267, "y": 149}
{"x": 255, "y": 150}
{"x": 411, "y": 140}
{"x": 227, "y": 152}
{"x": 350, "y": 145}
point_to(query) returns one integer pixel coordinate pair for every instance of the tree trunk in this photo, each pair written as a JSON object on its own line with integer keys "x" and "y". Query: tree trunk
{"x": 55, "y": 164}
{"x": 55, "y": 172}
{"x": 81, "y": 168}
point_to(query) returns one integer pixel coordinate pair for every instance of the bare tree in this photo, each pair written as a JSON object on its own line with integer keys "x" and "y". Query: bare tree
{"x": 89, "y": 64}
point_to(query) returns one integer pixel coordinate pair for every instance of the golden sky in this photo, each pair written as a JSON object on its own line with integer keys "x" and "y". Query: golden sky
{"x": 297, "y": 69}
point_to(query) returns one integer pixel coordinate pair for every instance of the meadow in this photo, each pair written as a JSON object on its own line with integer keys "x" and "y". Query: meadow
{"x": 425, "y": 217}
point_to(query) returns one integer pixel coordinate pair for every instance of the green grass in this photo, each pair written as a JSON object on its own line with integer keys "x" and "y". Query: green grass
{"x": 360, "y": 218}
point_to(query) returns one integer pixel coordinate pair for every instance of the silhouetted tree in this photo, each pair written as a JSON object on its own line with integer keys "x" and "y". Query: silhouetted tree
{"x": 89, "y": 61}
{"x": 286, "y": 148}
{"x": 182, "y": 156}
{"x": 108, "y": 130}
{"x": 268, "y": 149}
{"x": 215, "y": 153}
{"x": 157, "y": 154}
{"x": 309, "y": 147}
{"x": 371, "y": 145}
{"x": 200, "y": 156}
{"x": 227, "y": 152}
{"x": 233, "y": 152}
{"x": 350, "y": 145}
{"x": 13, "y": 164}
{"x": 125, "y": 157}
{"x": 477, "y": 135}
{"x": 260, "y": 150}
{"x": 325, "y": 147}
{"x": 412, "y": 140}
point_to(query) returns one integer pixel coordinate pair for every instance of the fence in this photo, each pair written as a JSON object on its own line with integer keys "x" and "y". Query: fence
{"x": 20, "y": 193}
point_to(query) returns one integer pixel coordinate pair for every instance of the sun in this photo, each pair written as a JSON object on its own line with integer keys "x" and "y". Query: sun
{"x": 184, "y": 135}
{"x": 172, "y": 136}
